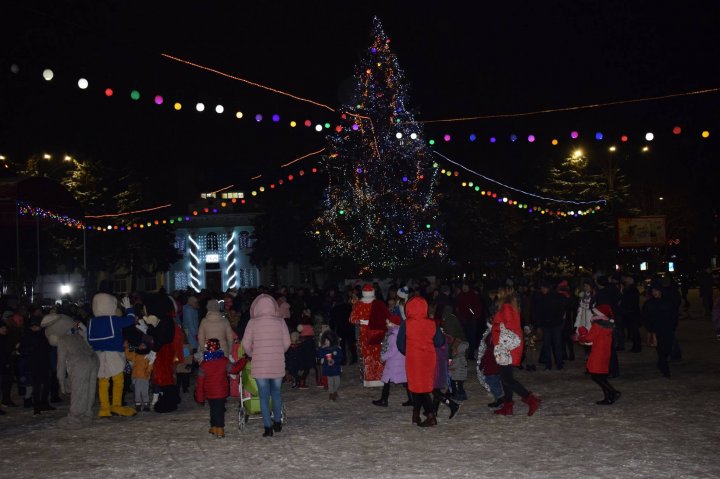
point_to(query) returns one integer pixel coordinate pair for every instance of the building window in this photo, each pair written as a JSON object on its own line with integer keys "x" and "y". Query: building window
{"x": 120, "y": 284}
{"x": 211, "y": 242}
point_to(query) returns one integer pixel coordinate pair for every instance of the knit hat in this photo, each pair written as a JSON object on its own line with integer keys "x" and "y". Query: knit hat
{"x": 603, "y": 310}
{"x": 306, "y": 330}
{"x": 368, "y": 293}
{"x": 213, "y": 305}
{"x": 395, "y": 319}
{"x": 212, "y": 350}
{"x": 403, "y": 292}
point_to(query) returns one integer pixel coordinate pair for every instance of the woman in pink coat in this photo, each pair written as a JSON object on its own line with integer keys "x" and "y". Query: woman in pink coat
{"x": 266, "y": 340}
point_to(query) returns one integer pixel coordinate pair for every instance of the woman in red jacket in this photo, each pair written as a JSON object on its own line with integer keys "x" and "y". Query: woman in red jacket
{"x": 600, "y": 337}
{"x": 419, "y": 351}
{"x": 509, "y": 317}
{"x": 213, "y": 385}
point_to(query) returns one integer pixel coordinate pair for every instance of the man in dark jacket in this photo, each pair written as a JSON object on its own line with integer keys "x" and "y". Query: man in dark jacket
{"x": 660, "y": 316}
{"x": 36, "y": 348}
{"x": 630, "y": 312}
{"x": 548, "y": 312}
{"x": 469, "y": 310}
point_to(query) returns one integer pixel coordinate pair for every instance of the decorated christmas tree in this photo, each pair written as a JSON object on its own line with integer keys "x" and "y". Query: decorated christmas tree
{"x": 379, "y": 210}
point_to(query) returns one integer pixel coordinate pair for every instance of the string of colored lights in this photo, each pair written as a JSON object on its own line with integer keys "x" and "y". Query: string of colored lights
{"x": 446, "y": 137}
{"x": 518, "y": 190}
{"x": 504, "y": 200}
{"x": 259, "y": 85}
{"x": 574, "y": 108}
{"x": 26, "y": 209}
{"x": 574, "y": 135}
{"x": 146, "y": 210}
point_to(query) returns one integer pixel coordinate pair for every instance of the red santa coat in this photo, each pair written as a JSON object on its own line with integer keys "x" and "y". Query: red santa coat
{"x": 510, "y": 317}
{"x": 371, "y": 318}
{"x": 600, "y": 336}
{"x": 419, "y": 349}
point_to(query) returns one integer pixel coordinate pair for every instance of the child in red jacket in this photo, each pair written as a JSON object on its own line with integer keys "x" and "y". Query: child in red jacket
{"x": 213, "y": 385}
{"x": 600, "y": 338}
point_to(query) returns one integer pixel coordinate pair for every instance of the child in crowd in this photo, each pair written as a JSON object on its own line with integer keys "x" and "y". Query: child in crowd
{"x": 141, "y": 371}
{"x": 293, "y": 359}
{"x": 183, "y": 370}
{"x": 531, "y": 337}
{"x": 394, "y": 370}
{"x": 440, "y": 381}
{"x": 457, "y": 368}
{"x": 488, "y": 369}
{"x": 331, "y": 355}
{"x": 307, "y": 353}
{"x": 600, "y": 338}
{"x": 212, "y": 384}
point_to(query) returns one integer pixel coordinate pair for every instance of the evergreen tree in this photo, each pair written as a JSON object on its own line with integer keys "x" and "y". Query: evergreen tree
{"x": 379, "y": 210}
{"x": 588, "y": 231}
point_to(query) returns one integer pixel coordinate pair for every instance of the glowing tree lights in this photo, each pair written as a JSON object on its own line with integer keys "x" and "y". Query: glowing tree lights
{"x": 379, "y": 212}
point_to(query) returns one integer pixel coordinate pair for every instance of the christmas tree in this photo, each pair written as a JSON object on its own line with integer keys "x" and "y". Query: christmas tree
{"x": 379, "y": 211}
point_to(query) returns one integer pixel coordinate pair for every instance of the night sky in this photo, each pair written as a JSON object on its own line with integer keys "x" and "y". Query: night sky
{"x": 460, "y": 60}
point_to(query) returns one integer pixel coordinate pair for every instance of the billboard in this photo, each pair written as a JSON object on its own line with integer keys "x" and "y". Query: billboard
{"x": 641, "y": 231}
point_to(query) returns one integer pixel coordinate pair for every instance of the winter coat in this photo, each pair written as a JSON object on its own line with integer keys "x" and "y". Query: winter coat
{"x": 420, "y": 349}
{"x": 190, "y": 323}
{"x": 141, "y": 368}
{"x": 214, "y": 325}
{"x": 337, "y": 355}
{"x": 440, "y": 381}
{"x": 468, "y": 307}
{"x": 630, "y": 306}
{"x": 35, "y": 348}
{"x": 266, "y": 339}
{"x": 584, "y": 312}
{"x": 660, "y": 316}
{"x": 510, "y": 317}
{"x": 600, "y": 336}
{"x": 548, "y": 310}
{"x": 488, "y": 365}
{"x": 212, "y": 379}
{"x": 458, "y": 368}
{"x": 394, "y": 371}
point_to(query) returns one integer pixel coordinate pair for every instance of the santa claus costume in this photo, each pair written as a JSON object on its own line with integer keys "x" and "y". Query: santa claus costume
{"x": 370, "y": 315}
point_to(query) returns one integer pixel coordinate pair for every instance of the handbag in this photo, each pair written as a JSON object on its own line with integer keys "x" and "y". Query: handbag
{"x": 507, "y": 343}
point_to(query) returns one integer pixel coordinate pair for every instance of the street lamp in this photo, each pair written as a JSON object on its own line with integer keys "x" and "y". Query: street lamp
{"x": 67, "y": 158}
{"x": 47, "y": 156}
{"x": 612, "y": 148}
{"x": 646, "y": 149}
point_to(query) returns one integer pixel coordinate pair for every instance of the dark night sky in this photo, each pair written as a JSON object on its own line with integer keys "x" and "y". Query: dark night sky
{"x": 460, "y": 60}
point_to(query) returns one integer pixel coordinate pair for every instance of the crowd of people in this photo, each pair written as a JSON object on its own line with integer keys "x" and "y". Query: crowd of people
{"x": 422, "y": 337}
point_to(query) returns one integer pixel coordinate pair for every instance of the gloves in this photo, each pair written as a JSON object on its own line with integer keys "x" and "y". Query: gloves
{"x": 125, "y": 302}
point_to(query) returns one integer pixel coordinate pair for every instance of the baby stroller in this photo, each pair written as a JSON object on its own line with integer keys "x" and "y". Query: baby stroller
{"x": 249, "y": 405}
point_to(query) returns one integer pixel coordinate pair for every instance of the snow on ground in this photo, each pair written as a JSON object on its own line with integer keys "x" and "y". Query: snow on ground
{"x": 660, "y": 428}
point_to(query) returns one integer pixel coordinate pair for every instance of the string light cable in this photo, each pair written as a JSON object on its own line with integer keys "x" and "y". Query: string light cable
{"x": 518, "y": 190}
{"x": 114, "y": 215}
{"x": 574, "y": 108}
{"x": 252, "y": 83}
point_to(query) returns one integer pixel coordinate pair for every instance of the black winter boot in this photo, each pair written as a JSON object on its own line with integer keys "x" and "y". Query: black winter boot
{"x": 409, "y": 401}
{"x": 384, "y": 396}
{"x": 268, "y": 432}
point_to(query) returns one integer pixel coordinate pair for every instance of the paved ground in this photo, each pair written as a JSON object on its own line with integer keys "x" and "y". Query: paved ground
{"x": 659, "y": 429}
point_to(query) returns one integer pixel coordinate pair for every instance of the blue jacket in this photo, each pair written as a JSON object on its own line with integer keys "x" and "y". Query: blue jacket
{"x": 191, "y": 323}
{"x": 105, "y": 332}
{"x": 338, "y": 357}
